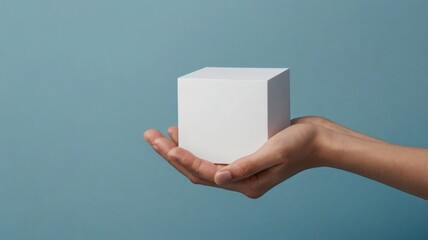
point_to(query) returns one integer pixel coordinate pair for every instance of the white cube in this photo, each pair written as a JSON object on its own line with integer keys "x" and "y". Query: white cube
{"x": 227, "y": 113}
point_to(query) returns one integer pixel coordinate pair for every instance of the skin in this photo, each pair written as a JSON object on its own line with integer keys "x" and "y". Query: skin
{"x": 308, "y": 143}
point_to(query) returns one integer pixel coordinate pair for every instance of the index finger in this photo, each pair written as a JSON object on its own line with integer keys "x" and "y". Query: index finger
{"x": 193, "y": 164}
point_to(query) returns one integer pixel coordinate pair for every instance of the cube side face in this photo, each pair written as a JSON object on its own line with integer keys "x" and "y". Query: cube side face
{"x": 222, "y": 120}
{"x": 279, "y": 103}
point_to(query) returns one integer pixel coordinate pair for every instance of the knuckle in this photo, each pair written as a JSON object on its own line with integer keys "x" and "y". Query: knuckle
{"x": 196, "y": 166}
{"x": 312, "y": 119}
{"x": 319, "y": 120}
{"x": 297, "y": 120}
{"x": 194, "y": 179}
{"x": 253, "y": 191}
{"x": 246, "y": 168}
{"x": 173, "y": 152}
{"x": 253, "y": 194}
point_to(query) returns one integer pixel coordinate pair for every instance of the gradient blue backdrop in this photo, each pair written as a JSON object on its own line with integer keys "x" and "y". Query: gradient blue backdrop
{"x": 81, "y": 80}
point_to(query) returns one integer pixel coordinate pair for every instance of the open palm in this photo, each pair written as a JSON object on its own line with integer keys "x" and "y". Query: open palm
{"x": 282, "y": 156}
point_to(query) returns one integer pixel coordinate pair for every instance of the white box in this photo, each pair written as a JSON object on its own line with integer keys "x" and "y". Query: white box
{"x": 227, "y": 113}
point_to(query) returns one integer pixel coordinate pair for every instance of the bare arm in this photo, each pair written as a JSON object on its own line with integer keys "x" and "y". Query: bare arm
{"x": 404, "y": 168}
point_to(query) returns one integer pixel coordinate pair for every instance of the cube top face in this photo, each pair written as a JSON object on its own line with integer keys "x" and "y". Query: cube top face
{"x": 224, "y": 73}
{"x": 222, "y": 120}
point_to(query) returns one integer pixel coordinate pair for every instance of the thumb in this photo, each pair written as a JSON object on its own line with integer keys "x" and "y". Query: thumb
{"x": 246, "y": 167}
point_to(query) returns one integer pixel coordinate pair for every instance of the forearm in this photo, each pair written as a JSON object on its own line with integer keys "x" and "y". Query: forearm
{"x": 404, "y": 168}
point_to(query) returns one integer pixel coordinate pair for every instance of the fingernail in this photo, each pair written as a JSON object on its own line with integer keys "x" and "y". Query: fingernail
{"x": 222, "y": 177}
{"x": 172, "y": 158}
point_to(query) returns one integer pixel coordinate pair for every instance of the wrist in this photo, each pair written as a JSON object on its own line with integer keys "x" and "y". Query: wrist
{"x": 326, "y": 146}
{"x": 341, "y": 151}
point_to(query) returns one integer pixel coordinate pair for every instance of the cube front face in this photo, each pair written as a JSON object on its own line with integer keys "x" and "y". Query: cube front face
{"x": 222, "y": 120}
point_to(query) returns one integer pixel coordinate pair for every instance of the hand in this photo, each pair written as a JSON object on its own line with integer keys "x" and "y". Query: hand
{"x": 308, "y": 142}
{"x": 290, "y": 151}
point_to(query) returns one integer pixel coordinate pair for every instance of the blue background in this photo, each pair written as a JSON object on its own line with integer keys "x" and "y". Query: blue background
{"x": 81, "y": 80}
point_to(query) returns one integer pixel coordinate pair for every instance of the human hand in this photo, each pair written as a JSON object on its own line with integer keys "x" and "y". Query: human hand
{"x": 290, "y": 151}
{"x": 309, "y": 142}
